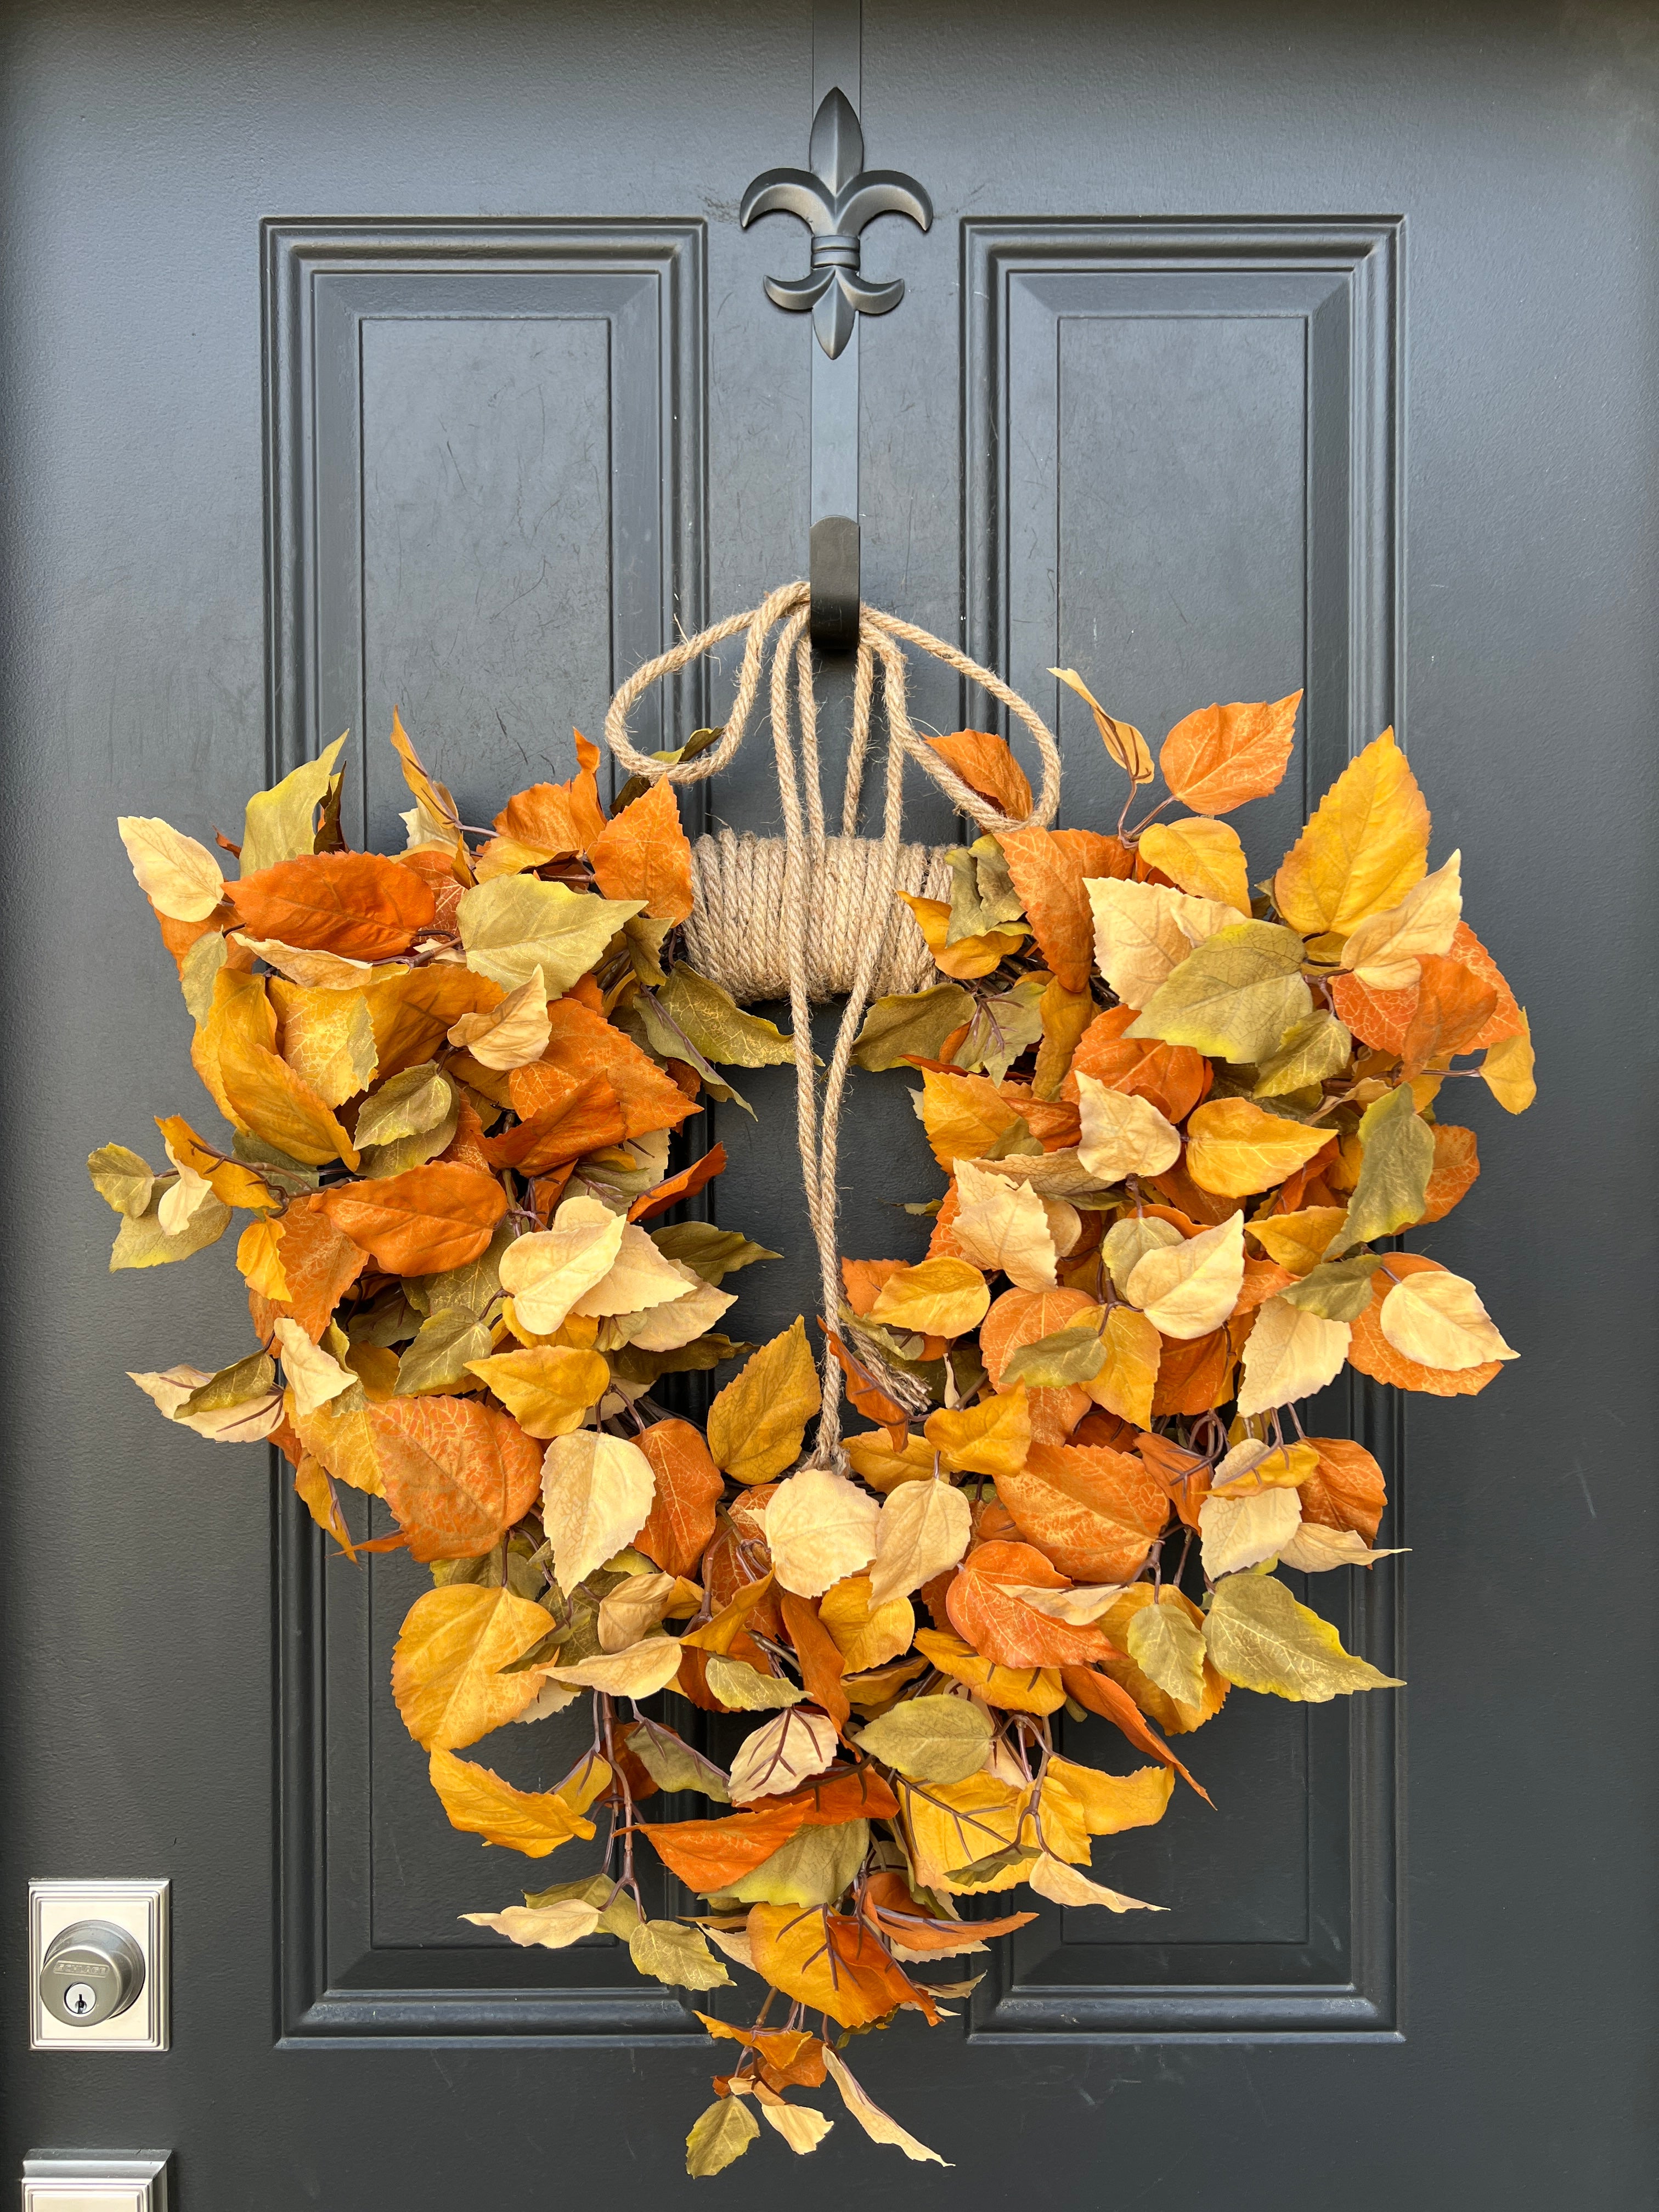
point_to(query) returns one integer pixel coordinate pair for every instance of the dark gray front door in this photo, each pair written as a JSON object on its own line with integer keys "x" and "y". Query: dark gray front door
{"x": 408, "y": 354}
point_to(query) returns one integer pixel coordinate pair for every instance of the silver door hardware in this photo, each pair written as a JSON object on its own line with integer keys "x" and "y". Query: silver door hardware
{"x": 98, "y": 1962}
{"x": 96, "y": 2181}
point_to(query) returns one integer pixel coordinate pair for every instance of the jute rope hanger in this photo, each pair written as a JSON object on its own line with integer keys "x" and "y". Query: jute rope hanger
{"x": 746, "y": 889}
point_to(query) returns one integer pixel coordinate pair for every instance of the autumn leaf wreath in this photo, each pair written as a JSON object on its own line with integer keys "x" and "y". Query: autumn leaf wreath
{"x": 1182, "y": 1124}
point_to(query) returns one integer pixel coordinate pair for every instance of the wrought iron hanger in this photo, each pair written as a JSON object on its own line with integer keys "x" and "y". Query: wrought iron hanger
{"x": 835, "y": 198}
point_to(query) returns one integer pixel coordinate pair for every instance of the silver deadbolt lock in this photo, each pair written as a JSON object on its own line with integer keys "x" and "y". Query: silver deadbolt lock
{"x": 91, "y": 1973}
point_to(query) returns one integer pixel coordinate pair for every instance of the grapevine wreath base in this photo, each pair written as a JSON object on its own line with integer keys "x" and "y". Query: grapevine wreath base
{"x": 1181, "y": 1123}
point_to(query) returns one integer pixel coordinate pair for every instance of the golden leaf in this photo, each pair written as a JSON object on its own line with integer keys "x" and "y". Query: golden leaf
{"x": 1012, "y": 1689}
{"x": 1122, "y": 739}
{"x": 1383, "y": 953}
{"x": 266, "y": 1096}
{"x": 970, "y": 957}
{"x": 479, "y": 1802}
{"x": 1201, "y": 857}
{"x": 1234, "y": 1148}
{"x": 280, "y": 824}
{"x": 512, "y": 1033}
{"x": 1298, "y": 1240}
{"x": 1506, "y": 1070}
{"x": 640, "y": 1670}
{"x": 869, "y": 1632}
{"x": 1366, "y": 846}
{"x": 517, "y": 924}
{"x": 965, "y": 1116}
{"x": 1125, "y": 1381}
{"x": 991, "y": 1437}
{"x": 446, "y": 1671}
{"x": 951, "y": 1824}
{"x": 938, "y": 1298}
{"x": 755, "y": 1425}
{"x": 548, "y": 1390}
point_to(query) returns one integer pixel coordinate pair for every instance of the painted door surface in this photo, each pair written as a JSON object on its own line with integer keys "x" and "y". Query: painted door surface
{"x": 415, "y": 354}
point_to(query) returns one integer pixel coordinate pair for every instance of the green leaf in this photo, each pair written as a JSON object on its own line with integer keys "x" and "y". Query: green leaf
{"x": 630, "y": 1364}
{"x": 1337, "y": 1290}
{"x": 282, "y": 1168}
{"x": 516, "y": 924}
{"x": 469, "y": 1289}
{"x": 1394, "y": 1172}
{"x": 637, "y": 786}
{"x": 994, "y": 1864}
{"x": 1002, "y": 1028}
{"x": 198, "y": 972}
{"x": 618, "y": 1914}
{"x": 813, "y": 1867}
{"x": 141, "y": 1241}
{"x": 709, "y": 1252}
{"x": 745, "y": 1689}
{"x": 280, "y": 824}
{"x": 1236, "y": 995}
{"x": 718, "y": 1026}
{"x": 911, "y": 1022}
{"x": 1315, "y": 1048}
{"x": 644, "y": 936}
{"x": 407, "y": 1104}
{"x": 252, "y": 1377}
{"x": 931, "y": 1739}
{"x": 436, "y": 1361}
{"x": 123, "y": 1179}
{"x": 724, "y": 2133}
{"x": 1069, "y": 1355}
{"x": 676, "y": 1955}
{"x": 643, "y": 1017}
{"x": 671, "y": 1763}
{"x": 982, "y": 894}
{"x": 1261, "y": 1638}
{"x": 1168, "y": 1646}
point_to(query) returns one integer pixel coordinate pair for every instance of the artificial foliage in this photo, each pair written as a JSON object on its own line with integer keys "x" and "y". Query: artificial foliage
{"x": 1183, "y": 1120}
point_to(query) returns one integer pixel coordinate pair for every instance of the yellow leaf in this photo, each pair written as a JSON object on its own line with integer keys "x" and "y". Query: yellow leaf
{"x": 954, "y": 1823}
{"x": 1257, "y": 1636}
{"x": 1125, "y": 1384}
{"x": 990, "y": 1438}
{"x": 1366, "y": 846}
{"x": 1128, "y": 1240}
{"x": 1109, "y": 1803}
{"x": 1253, "y": 1465}
{"x": 1122, "y": 1133}
{"x": 868, "y": 1634}
{"x": 923, "y": 1529}
{"x": 964, "y": 1116}
{"x": 1506, "y": 1070}
{"x": 820, "y": 1527}
{"x": 872, "y": 1459}
{"x": 1437, "y": 1319}
{"x": 268, "y": 1097}
{"x": 1167, "y": 1644}
{"x": 548, "y": 1390}
{"x": 280, "y": 824}
{"x": 446, "y": 1671}
{"x": 1297, "y": 1241}
{"x": 1385, "y": 952}
{"x": 639, "y": 1279}
{"x": 1201, "y": 857}
{"x": 1144, "y": 932}
{"x": 229, "y": 1180}
{"x": 480, "y": 1803}
{"x": 1004, "y": 1224}
{"x": 722, "y": 2134}
{"x": 640, "y": 1670}
{"x": 124, "y": 1179}
{"x": 756, "y": 1423}
{"x": 1122, "y": 739}
{"x": 1065, "y": 1015}
{"x": 516, "y": 925}
{"x": 180, "y": 878}
{"x": 1010, "y": 1689}
{"x": 1234, "y": 1148}
{"x": 1290, "y": 1353}
{"x": 258, "y": 1254}
{"x": 969, "y": 957}
{"x": 511, "y": 1035}
{"x": 328, "y": 1039}
{"x": 938, "y": 1298}
{"x": 1063, "y": 1885}
{"x": 597, "y": 1495}
{"x": 1187, "y": 1290}
{"x": 546, "y": 1272}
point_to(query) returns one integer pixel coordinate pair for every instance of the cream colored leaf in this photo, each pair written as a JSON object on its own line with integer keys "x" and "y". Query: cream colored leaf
{"x": 180, "y": 878}
{"x": 1123, "y": 1133}
{"x": 781, "y": 1754}
{"x": 1314, "y": 1549}
{"x": 546, "y": 1272}
{"x": 1144, "y": 932}
{"x": 316, "y": 971}
{"x": 511, "y": 1035}
{"x": 820, "y": 1527}
{"x": 1077, "y": 1604}
{"x": 1289, "y": 1354}
{"x": 879, "y": 2126}
{"x": 923, "y": 1529}
{"x": 553, "y": 1927}
{"x": 313, "y": 1375}
{"x": 198, "y": 973}
{"x": 597, "y": 1495}
{"x": 640, "y": 1670}
{"x": 182, "y": 1199}
{"x": 168, "y": 1390}
{"x": 679, "y": 1321}
{"x": 636, "y": 1606}
{"x": 1241, "y": 1532}
{"x": 1066, "y": 1885}
{"x": 638, "y": 1279}
{"x": 1128, "y": 1241}
{"x": 280, "y": 824}
{"x": 1437, "y": 1319}
{"x": 518, "y": 924}
{"x": 1258, "y": 1636}
{"x": 1384, "y": 951}
{"x": 1186, "y": 1290}
{"x": 801, "y": 2126}
{"x": 1004, "y": 1224}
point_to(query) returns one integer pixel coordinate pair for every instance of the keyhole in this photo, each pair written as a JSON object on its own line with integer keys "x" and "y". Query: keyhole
{"x": 79, "y": 1999}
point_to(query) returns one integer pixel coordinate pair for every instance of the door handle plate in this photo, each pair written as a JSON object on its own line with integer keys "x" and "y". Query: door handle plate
{"x": 136, "y": 1910}
{"x": 96, "y": 2181}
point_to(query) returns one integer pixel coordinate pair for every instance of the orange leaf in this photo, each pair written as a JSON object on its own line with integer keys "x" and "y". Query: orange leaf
{"x": 986, "y": 765}
{"x": 581, "y": 1044}
{"x": 1454, "y": 1005}
{"x": 1381, "y": 1018}
{"x": 1102, "y": 1696}
{"x": 321, "y": 1263}
{"x": 1346, "y": 1490}
{"x": 558, "y": 817}
{"x": 1217, "y": 758}
{"x": 897, "y": 1915}
{"x": 790, "y": 2057}
{"x": 709, "y": 1856}
{"x": 688, "y": 1484}
{"x": 1369, "y": 1351}
{"x": 1172, "y": 1077}
{"x": 413, "y": 1009}
{"x": 872, "y": 1402}
{"x": 1018, "y": 1318}
{"x": 457, "y": 1474}
{"x": 685, "y": 1184}
{"x": 1193, "y": 1375}
{"x": 434, "y": 797}
{"x": 821, "y": 1664}
{"x": 356, "y": 904}
{"x": 835, "y": 1965}
{"x": 1093, "y": 1511}
{"x": 1001, "y": 1627}
{"x": 1456, "y": 1164}
{"x": 576, "y": 1114}
{"x": 422, "y": 1222}
{"x": 1048, "y": 867}
{"x": 643, "y": 854}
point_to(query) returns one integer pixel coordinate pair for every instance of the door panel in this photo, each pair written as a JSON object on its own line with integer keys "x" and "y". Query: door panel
{"x": 1250, "y": 349}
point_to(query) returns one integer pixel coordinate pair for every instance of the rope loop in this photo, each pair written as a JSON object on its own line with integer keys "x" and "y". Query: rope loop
{"x": 819, "y": 919}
